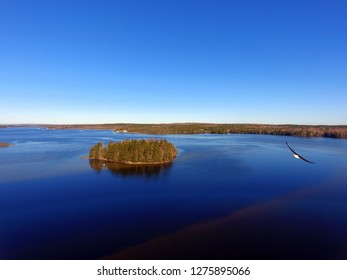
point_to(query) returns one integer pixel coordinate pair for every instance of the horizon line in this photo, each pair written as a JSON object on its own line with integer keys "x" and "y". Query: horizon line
{"x": 165, "y": 123}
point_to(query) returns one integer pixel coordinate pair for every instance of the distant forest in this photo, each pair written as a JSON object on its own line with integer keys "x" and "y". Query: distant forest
{"x": 201, "y": 128}
{"x": 152, "y": 151}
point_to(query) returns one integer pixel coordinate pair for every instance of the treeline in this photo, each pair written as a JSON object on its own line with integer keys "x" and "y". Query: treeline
{"x": 151, "y": 151}
{"x": 80, "y": 126}
{"x": 201, "y": 128}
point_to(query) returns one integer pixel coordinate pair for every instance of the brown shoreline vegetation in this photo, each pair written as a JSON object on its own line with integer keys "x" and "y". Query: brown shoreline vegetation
{"x": 331, "y": 131}
{"x": 135, "y": 152}
{"x": 5, "y": 144}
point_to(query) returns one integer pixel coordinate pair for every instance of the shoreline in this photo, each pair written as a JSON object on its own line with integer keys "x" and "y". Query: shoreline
{"x": 5, "y": 144}
{"x": 326, "y": 131}
{"x": 129, "y": 162}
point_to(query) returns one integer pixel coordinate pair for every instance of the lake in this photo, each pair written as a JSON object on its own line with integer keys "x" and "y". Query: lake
{"x": 224, "y": 197}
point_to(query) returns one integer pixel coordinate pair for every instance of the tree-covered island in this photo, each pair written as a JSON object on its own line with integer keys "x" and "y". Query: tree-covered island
{"x": 150, "y": 151}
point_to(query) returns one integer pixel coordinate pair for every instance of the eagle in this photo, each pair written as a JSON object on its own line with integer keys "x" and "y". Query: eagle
{"x": 296, "y": 155}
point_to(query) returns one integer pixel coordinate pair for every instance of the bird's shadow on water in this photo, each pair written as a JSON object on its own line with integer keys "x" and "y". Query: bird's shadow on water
{"x": 127, "y": 170}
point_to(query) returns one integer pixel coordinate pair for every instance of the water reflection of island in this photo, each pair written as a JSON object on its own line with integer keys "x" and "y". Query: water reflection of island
{"x": 130, "y": 169}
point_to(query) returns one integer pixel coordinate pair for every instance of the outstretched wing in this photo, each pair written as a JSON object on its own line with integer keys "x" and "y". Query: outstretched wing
{"x": 291, "y": 149}
{"x": 298, "y": 154}
{"x": 304, "y": 159}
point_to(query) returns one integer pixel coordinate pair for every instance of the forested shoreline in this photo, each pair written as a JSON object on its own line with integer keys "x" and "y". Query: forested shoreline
{"x": 330, "y": 131}
{"x": 338, "y": 131}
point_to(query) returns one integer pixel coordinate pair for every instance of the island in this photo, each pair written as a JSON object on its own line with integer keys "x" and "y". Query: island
{"x": 4, "y": 144}
{"x": 149, "y": 151}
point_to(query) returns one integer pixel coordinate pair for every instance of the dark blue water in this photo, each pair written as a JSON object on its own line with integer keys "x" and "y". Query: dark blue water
{"x": 224, "y": 197}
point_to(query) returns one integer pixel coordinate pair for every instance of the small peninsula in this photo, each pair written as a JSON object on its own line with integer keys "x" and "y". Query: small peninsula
{"x": 150, "y": 151}
{"x": 4, "y": 144}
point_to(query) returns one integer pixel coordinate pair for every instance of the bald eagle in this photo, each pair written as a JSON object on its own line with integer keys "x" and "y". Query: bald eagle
{"x": 296, "y": 155}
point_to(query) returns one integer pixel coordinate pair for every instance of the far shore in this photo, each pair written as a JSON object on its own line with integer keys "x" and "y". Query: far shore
{"x": 328, "y": 131}
{"x": 129, "y": 162}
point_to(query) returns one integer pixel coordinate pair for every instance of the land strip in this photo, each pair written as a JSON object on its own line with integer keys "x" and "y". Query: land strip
{"x": 338, "y": 131}
{"x": 5, "y": 144}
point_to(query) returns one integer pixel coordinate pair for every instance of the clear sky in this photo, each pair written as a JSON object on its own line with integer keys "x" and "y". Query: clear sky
{"x": 235, "y": 61}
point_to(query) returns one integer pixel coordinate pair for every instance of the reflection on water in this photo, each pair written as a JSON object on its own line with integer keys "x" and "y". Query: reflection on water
{"x": 130, "y": 170}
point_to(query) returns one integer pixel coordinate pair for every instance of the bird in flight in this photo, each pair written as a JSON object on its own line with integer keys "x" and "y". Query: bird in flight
{"x": 296, "y": 155}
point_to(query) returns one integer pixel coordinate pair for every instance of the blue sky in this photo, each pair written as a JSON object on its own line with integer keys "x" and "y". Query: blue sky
{"x": 241, "y": 61}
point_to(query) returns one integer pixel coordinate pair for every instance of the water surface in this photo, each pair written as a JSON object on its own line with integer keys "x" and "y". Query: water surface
{"x": 224, "y": 197}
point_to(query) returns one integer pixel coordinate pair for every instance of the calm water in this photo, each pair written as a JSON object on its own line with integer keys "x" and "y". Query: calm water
{"x": 224, "y": 197}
